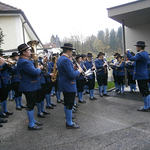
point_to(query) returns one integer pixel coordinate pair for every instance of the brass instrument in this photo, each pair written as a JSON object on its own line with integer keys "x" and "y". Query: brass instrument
{"x": 9, "y": 62}
{"x": 33, "y": 44}
{"x": 55, "y": 71}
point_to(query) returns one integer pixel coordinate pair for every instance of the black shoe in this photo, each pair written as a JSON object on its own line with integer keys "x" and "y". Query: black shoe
{"x": 49, "y": 107}
{"x": 101, "y": 95}
{"x": 18, "y": 108}
{"x": 22, "y": 106}
{"x": 143, "y": 110}
{"x": 41, "y": 116}
{"x": 74, "y": 111}
{"x": 9, "y": 113}
{"x": 93, "y": 98}
{"x": 35, "y": 127}
{"x": 3, "y": 115}
{"x": 106, "y": 95}
{"x": 54, "y": 105}
{"x": 87, "y": 92}
{"x": 76, "y": 105}
{"x": 38, "y": 123}
{"x": 3, "y": 121}
{"x": 82, "y": 102}
{"x": 46, "y": 113}
{"x": 58, "y": 101}
{"x": 1, "y": 125}
{"x": 74, "y": 126}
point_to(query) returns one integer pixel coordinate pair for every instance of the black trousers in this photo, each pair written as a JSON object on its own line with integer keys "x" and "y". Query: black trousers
{"x": 91, "y": 83}
{"x": 143, "y": 87}
{"x": 69, "y": 98}
{"x": 121, "y": 80}
{"x": 31, "y": 99}
{"x": 102, "y": 79}
{"x": 80, "y": 85}
{"x": 130, "y": 79}
{"x": 4, "y": 91}
{"x": 55, "y": 84}
{"x": 15, "y": 87}
{"x": 115, "y": 78}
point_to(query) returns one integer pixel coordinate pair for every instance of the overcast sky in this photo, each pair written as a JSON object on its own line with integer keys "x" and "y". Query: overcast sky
{"x": 67, "y": 17}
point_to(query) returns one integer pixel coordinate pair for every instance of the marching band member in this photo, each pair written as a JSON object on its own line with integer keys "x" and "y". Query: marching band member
{"x": 29, "y": 83}
{"x": 80, "y": 81}
{"x": 120, "y": 74}
{"x": 101, "y": 74}
{"x": 130, "y": 65}
{"x": 67, "y": 83}
{"x": 6, "y": 84}
{"x": 49, "y": 104}
{"x": 141, "y": 72}
{"x": 45, "y": 85}
{"x": 16, "y": 82}
{"x": 113, "y": 64}
{"x": 1, "y": 64}
{"x": 91, "y": 78}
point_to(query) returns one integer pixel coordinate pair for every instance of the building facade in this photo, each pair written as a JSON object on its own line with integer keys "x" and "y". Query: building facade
{"x": 135, "y": 16}
{"x": 16, "y": 28}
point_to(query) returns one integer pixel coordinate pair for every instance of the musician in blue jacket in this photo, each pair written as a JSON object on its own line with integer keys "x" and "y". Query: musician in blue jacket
{"x": 120, "y": 74}
{"x": 101, "y": 74}
{"x": 89, "y": 64}
{"x": 80, "y": 81}
{"x": 130, "y": 65}
{"x": 29, "y": 83}
{"x": 141, "y": 72}
{"x": 6, "y": 86}
{"x": 2, "y": 61}
{"x": 16, "y": 82}
{"x": 67, "y": 83}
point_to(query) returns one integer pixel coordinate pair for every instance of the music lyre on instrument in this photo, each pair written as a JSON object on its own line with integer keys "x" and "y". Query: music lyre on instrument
{"x": 33, "y": 44}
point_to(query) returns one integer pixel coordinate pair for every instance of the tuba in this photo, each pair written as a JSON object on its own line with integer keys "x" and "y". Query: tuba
{"x": 33, "y": 44}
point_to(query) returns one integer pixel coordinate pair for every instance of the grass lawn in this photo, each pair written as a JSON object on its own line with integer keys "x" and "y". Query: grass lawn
{"x": 110, "y": 85}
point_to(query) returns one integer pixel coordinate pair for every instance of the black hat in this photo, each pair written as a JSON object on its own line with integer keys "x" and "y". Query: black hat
{"x": 83, "y": 55}
{"x": 1, "y": 52}
{"x": 89, "y": 55}
{"x": 116, "y": 54}
{"x": 78, "y": 56}
{"x": 100, "y": 54}
{"x": 68, "y": 46}
{"x": 22, "y": 47}
{"x": 14, "y": 54}
{"x": 140, "y": 44}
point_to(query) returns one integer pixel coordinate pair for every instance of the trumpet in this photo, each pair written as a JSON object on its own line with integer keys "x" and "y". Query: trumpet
{"x": 9, "y": 62}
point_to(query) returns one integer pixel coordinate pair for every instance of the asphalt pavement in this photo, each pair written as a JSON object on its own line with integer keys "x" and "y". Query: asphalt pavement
{"x": 109, "y": 123}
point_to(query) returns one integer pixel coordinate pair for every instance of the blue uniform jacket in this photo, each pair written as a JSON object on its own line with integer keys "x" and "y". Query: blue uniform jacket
{"x": 89, "y": 65}
{"x": 141, "y": 59}
{"x": 6, "y": 74}
{"x": 15, "y": 74}
{"x": 121, "y": 69}
{"x": 148, "y": 66}
{"x": 29, "y": 75}
{"x": 81, "y": 77}
{"x": 130, "y": 68}
{"x": 99, "y": 67}
{"x": 67, "y": 75}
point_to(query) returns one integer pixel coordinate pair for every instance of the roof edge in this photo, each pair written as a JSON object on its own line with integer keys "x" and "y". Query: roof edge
{"x": 126, "y": 4}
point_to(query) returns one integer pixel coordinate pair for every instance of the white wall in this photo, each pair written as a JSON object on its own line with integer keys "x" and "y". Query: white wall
{"x": 12, "y": 29}
{"x": 138, "y": 33}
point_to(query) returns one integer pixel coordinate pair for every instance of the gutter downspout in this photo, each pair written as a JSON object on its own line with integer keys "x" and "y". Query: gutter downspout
{"x": 124, "y": 50}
